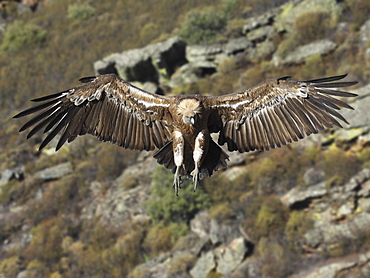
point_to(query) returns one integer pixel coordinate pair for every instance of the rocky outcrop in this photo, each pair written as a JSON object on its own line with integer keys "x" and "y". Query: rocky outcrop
{"x": 322, "y": 47}
{"x": 155, "y": 62}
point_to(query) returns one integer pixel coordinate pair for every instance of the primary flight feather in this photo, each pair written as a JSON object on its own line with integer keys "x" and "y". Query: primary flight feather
{"x": 271, "y": 114}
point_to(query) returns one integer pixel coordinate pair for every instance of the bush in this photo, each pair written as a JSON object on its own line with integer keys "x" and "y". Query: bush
{"x": 311, "y": 26}
{"x": 181, "y": 264}
{"x": 271, "y": 218}
{"x": 20, "y": 35}
{"x": 80, "y": 11}
{"x": 340, "y": 164}
{"x": 202, "y": 26}
{"x": 298, "y": 224}
{"x": 164, "y": 205}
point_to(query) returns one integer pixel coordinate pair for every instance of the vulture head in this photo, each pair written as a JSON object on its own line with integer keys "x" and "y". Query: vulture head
{"x": 189, "y": 109}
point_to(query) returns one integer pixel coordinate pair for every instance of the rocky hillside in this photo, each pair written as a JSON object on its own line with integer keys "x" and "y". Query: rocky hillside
{"x": 95, "y": 210}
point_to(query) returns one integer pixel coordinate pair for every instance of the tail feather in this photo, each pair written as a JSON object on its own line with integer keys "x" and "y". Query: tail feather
{"x": 215, "y": 160}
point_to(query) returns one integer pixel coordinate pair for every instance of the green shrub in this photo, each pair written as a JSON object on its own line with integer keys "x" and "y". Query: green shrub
{"x": 298, "y": 224}
{"x": 202, "y": 26}
{"x": 181, "y": 264}
{"x": 10, "y": 266}
{"x": 221, "y": 189}
{"x": 274, "y": 257}
{"x": 271, "y": 217}
{"x": 311, "y": 26}
{"x": 80, "y": 11}
{"x": 360, "y": 10}
{"x": 339, "y": 164}
{"x": 158, "y": 239}
{"x": 20, "y": 35}
{"x": 164, "y": 205}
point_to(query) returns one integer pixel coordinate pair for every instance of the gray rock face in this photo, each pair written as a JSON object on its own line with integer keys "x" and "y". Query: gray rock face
{"x": 321, "y": 47}
{"x": 293, "y": 9}
{"x": 55, "y": 172}
{"x": 9, "y": 174}
{"x": 229, "y": 257}
{"x": 345, "y": 267}
{"x": 365, "y": 33}
{"x": 298, "y": 194}
{"x": 150, "y": 63}
{"x": 205, "y": 264}
{"x": 223, "y": 260}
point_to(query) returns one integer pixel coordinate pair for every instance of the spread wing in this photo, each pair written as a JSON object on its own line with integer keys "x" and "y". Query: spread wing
{"x": 279, "y": 111}
{"x": 107, "y": 107}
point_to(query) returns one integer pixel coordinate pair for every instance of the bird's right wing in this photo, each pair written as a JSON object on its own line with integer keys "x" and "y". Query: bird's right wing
{"x": 106, "y": 107}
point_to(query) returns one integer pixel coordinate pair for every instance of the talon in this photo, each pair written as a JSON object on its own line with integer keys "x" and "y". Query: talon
{"x": 177, "y": 181}
{"x": 195, "y": 174}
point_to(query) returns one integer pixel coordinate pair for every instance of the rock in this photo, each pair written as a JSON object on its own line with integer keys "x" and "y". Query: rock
{"x": 237, "y": 45}
{"x": 350, "y": 266}
{"x": 55, "y": 172}
{"x": 258, "y": 21}
{"x": 365, "y": 189}
{"x": 222, "y": 233}
{"x": 293, "y": 9}
{"x": 150, "y": 63}
{"x": 300, "y": 54}
{"x": 359, "y": 117}
{"x": 200, "y": 224}
{"x": 365, "y": 33}
{"x": 299, "y": 195}
{"x": 250, "y": 267}
{"x": 156, "y": 267}
{"x": 313, "y": 176}
{"x": 326, "y": 233}
{"x": 196, "y": 53}
{"x": 9, "y": 174}
{"x": 260, "y": 34}
{"x": 364, "y": 204}
{"x": 204, "y": 265}
{"x": 349, "y": 134}
{"x": 188, "y": 74}
{"x": 345, "y": 210}
{"x": 358, "y": 179}
{"x": 121, "y": 206}
{"x": 228, "y": 258}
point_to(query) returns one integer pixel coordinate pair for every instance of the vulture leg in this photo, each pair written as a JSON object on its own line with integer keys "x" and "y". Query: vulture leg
{"x": 178, "y": 153}
{"x": 200, "y": 151}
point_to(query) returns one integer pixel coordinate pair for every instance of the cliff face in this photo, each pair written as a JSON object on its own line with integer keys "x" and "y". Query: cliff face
{"x": 95, "y": 210}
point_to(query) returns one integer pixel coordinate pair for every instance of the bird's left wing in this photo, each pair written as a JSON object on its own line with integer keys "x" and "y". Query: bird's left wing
{"x": 106, "y": 107}
{"x": 279, "y": 111}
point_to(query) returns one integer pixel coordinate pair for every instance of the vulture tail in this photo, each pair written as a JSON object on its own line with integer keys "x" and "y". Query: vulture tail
{"x": 215, "y": 160}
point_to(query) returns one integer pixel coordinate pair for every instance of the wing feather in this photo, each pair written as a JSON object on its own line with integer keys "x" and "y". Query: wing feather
{"x": 106, "y": 107}
{"x": 279, "y": 111}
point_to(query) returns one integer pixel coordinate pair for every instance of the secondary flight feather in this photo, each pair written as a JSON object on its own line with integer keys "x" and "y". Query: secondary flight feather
{"x": 269, "y": 115}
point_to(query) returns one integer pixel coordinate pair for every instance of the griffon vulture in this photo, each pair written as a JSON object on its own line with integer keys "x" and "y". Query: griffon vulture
{"x": 271, "y": 114}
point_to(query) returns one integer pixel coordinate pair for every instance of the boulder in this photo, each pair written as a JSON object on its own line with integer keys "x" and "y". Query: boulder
{"x": 9, "y": 174}
{"x": 350, "y": 266}
{"x": 151, "y": 63}
{"x": 301, "y": 195}
{"x": 365, "y": 33}
{"x": 205, "y": 264}
{"x": 254, "y": 23}
{"x": 55, "y": 172}
{"x": 229, "y": 257}
{"x": 293, "y": 9}
{"x": 300, "y": 54}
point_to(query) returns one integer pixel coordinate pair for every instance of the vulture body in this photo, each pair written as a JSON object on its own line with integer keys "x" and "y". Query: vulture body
{"x": 269, "y": 115}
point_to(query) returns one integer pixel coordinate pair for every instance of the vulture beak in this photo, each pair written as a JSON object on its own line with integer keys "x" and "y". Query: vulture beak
{"x": 190, "y": 120}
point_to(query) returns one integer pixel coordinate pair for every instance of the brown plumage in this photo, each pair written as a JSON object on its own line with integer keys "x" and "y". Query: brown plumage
{"x": 269, "y": 115}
